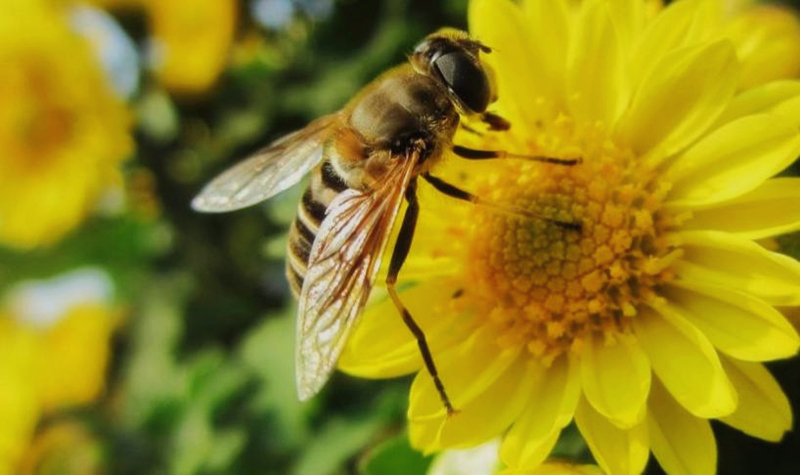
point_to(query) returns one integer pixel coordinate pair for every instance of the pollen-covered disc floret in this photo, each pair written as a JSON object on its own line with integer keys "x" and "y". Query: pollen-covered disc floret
{"x": 549, "y": 284}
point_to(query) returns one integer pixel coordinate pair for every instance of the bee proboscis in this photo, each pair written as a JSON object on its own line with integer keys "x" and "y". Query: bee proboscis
{"x": 364, "y": 161}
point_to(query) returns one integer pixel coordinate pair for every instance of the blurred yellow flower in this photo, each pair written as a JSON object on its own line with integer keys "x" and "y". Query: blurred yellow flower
{"x": 65, "y": 447}
{"x": 62, "y": 132}
{"x": 54, "y": 352}
{"x": 655, "y": 316}
{"x": 190, "y": 42}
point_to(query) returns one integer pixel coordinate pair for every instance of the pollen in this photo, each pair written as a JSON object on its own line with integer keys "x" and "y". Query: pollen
{"x": 549, "y": 284}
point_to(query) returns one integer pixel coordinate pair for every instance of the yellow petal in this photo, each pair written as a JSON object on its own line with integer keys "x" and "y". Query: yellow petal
{"x": 76, "y": 358}
{"x": 382, "y": 345}
{"x": 548, "y": 22}
{"x": 733, "y": 160}
{"x": 790, "y": 110}
{"x": 630, "y": 19}
{"x": 550, "y": 408}
{"x": 736, "y": 323}
{"x": 687, "y": 364}
{"x": 767, "y": 39}
{"x": 764, "y": 410}
{"x": 617, "y": 451}
{"x": 193, "y": 41}
{"x": 680, "y": 98}
{"x": 730, "y": 261}
{"x": 467, "y": 370}
{"x": 679, "y": 25}
{"x": 499, "y": 24}
{"x": 771, "y": 209}
{"x": 595, "y": 88}
{"x": 482, "y": 416}
{"x": 760, "y": 99}
{"x": 682, "y": 443}
{"x": 616, "y": 380}
{"x": 19, "y": 395}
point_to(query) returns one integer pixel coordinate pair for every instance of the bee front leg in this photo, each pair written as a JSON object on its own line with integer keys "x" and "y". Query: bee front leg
{"x": 495, "y": 122}
{"x": 399, "y": 254}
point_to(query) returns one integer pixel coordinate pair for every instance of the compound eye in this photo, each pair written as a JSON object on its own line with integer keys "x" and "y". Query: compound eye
{"x": 465, "y": 78}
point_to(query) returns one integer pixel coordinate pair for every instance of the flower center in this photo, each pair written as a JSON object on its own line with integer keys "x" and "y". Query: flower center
{"x": 35, "y": 129}
{"x": 549, "y": 286}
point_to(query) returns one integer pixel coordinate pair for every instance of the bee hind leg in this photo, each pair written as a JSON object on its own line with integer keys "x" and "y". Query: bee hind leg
{"x": 399, "y": 255}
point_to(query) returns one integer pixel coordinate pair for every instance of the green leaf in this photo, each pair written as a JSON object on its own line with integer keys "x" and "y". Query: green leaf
{"x": 268, "y": 351}
{"x": 394, "y": 457}
{"x": 339, "y": 440}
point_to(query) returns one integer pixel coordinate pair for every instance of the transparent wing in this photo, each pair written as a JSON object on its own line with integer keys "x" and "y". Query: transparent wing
{"x": 271, "y": 170}
{"x": 341, "y": 271}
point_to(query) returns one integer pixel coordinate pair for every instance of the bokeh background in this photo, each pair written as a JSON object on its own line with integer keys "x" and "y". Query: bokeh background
{"x": 140, "y": 337}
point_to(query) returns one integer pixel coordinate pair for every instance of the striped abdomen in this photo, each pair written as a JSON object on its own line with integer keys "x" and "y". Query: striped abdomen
{"x": 325, "y": 185}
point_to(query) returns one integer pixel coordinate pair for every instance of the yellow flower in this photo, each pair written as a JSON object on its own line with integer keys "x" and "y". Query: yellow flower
{"x": 65, "y": 447}
{"x": 190, "y": 40}
{"x": 54, "y": 351}
{"x": 62, "y": 132}
{"x": 655, "y": 316}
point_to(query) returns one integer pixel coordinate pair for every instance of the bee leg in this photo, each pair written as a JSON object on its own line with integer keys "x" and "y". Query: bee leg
{"x": 474, "y": 154}
{"x": 470, "y": 129}
{"x": 495, "y": 122}
{"x": 457, "y": 193}
{"x": 399, "y": 255}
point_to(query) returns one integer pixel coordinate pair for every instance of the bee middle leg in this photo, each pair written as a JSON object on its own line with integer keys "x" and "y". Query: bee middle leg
{"x": 475, "y": 154}
{"x": 457, "y": 193}
{"x": 399, "y": 255}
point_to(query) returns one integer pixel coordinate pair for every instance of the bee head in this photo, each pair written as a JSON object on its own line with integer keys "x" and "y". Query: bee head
{"x": 451, "y": 57}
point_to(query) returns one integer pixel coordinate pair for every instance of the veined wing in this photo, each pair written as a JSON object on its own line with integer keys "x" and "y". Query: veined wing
{"x": 342, "y": 267}
{"x": 271, "y": 170}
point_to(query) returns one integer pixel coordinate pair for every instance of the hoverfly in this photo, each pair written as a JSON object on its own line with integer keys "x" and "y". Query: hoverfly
{"x": 364, "y": 161}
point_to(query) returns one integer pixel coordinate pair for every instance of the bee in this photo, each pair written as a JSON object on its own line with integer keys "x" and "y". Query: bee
{"x": 364, "y": 161}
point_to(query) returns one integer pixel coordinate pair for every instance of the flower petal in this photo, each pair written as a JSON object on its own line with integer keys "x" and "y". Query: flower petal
{"x": 685, "y": 362}
{"x": 382, "y": 346}
{"x": 733, "y": 160}
{"x": 736, "y": 263}
{"x": 760, "y": 99}
{"x": 481, "y": 417}
{"x": 499, "y": 25}
{"x": 767, "y": 39}
{"x": 771, "y": 209}
{"x": 548, "y": 22}
{"x": 680, "y": 24}
{"x": 682, "y": 443}
{"x": 467, "y": 370}
{"x": 616, "y": 379}
{"x": 617, "y": 451}
{"x": 550, "y": 408}
{"x": 630, "y": 19}
{"x": 764, "y": 410}
{"x": 738, "y": 324}
{"x": 595, "y": 88}
{"x": 681, "y": 96}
